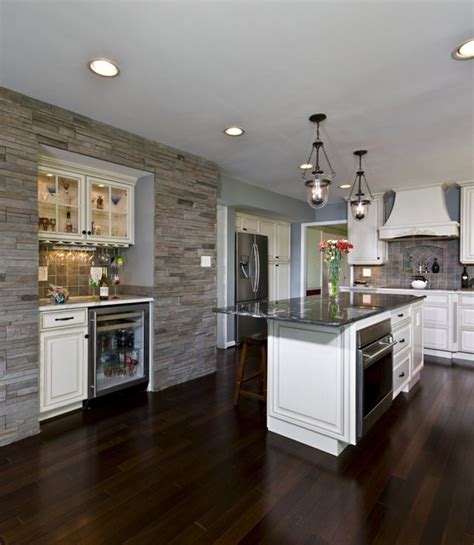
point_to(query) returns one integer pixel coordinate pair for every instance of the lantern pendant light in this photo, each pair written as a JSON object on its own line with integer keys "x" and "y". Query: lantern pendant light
{"x": 360, "y": 202}
{"x": 317, "y": 185}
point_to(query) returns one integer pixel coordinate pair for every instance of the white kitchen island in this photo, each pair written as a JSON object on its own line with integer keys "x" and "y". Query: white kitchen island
{"x": 312, "y": 370}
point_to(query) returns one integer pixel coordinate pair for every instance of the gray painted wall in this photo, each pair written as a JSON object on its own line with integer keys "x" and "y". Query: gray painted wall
{"x": 243, "y": 196}
{"x": 139, "y": 259}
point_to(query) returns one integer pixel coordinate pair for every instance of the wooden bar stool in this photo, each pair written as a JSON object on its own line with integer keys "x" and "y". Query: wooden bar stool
{"x": 258, "y": 340}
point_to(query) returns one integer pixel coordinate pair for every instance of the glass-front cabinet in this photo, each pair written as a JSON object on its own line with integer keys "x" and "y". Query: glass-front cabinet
{"x": 81, "y": 204}
{"x": 110, "y": 213}
{"x": 60, "y": 205}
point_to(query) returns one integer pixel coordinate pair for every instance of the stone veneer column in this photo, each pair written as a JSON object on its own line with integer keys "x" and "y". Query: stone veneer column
{"x": 185, "y": 229}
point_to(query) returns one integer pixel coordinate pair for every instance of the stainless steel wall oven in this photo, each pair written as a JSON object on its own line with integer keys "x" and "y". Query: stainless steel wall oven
{"x": 374, "y": 374}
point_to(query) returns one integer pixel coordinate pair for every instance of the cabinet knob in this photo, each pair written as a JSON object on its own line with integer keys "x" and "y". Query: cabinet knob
{"x": 244, "y": 228}
{"x": 401, "y": 375}
{"x": 89, "y": 232}
{"x": 401, "y": 341}
{"x": 86, "y": 336}
{"x": 84, "y": 232}
{"x": 277, "y": 265}
{"x": 277, "y": 257}
{"x": 400, "y": 315}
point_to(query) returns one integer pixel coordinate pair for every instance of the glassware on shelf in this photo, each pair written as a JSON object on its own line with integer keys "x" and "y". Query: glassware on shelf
{"x": 52, "y": 222}
{"x": 52, "y": 191}
{"x": 115, "y": 199}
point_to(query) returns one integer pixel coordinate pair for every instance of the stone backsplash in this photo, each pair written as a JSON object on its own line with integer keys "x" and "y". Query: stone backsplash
{"x": 407, "y": 255}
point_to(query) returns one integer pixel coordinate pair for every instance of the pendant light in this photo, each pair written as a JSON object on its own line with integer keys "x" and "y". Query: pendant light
{"x": 317, "y": 185}
{"x": 359, "y": 201}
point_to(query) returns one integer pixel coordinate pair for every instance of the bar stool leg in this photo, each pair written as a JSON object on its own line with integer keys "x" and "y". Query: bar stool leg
{"x": 240, "y": 373}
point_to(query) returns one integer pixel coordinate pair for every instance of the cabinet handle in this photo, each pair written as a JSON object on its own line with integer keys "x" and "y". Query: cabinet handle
{"x": 401, "y": 341}
{"x": 276, "y": 265}
{"x": 244, "y": 228}
{"x": 86, "y": 336}
{"x": 277, "y": 257}
{"x": 64, "y": 319}
{"x": 84, "y": 232}
{"x": 400, "y": 315}
{"x": 401, "y": 376}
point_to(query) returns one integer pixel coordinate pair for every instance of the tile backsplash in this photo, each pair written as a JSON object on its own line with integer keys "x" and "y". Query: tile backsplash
{"x": 71, "y": 269}
{"x": 405, "y": 257}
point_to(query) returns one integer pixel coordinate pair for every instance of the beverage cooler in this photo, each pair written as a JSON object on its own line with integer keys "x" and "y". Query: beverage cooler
{"x": 118, "y": 348}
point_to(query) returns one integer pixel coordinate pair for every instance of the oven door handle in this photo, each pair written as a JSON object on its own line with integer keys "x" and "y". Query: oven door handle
{"x": 372, "y": 358}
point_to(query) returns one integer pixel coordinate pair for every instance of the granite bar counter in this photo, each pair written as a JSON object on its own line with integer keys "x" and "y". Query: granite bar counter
{"x": 314, "y": 375}
{"x": 321, "y": 310}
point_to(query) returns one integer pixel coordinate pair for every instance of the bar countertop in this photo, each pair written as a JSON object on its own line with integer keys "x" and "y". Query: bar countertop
{"x": 320, "y": 310}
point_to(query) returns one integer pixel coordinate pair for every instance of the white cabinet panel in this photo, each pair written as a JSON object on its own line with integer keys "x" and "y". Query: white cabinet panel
{"x": 467, "y": 223}
{"x": 466, "y": 316}
{"x": 308, "y": 379}
{"x": 268, "y": 228}
{"x": 437, "y": 338}
{"x": 250, "y": 224}
{"x": 402, "y": 336}
{"x": 436, "y": 316}
{"x": 466, "y": 340}
{"x": 401, "y": 373}
{"x": 279, "y": 281}
{"x": 368, "y": 248}
{"x": 417, "y": 339}
{"x": 282, "y": 250}
{"x": 63, "y": 370}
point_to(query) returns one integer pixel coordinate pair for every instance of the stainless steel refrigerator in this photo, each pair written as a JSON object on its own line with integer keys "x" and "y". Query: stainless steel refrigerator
{"x": 251, "y": 279}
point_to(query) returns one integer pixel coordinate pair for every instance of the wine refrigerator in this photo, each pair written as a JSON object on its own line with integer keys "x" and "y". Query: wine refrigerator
{"x": 119, "y": 347}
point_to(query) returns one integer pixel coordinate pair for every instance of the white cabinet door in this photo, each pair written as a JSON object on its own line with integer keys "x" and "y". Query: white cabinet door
{"x": 417, "y": 339}
{"x": 282, "y": 281}
{"x": 268, "y": 229}
{"x": 368, "y": 248}
{"x": 282, "y": 251}
{"x": 467, "y": 224}
{"x": 63, "y": 367}
{"x": 250, "y": 224}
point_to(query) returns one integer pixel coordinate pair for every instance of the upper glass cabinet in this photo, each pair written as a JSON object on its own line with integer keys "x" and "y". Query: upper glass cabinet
{"x": 77, "y": 204}
{"x": 110, "y": 213}
{"x": 60, "y": 207}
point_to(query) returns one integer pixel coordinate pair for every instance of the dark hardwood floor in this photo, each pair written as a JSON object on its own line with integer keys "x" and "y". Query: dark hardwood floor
{"x": 182, "y": 467}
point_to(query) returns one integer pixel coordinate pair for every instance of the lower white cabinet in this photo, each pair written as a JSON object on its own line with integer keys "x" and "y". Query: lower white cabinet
{"x": 465, "y": 319}
{"x": 279, "y": 281}
{"x": 417, "y": 338}
{"x": 63, "y": 370}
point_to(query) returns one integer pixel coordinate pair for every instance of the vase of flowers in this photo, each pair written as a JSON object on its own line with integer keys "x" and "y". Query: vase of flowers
{"x": 333, "y": 252}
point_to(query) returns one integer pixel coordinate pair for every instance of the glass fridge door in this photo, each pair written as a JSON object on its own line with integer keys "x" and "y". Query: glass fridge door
{"x": 121, "y": 349}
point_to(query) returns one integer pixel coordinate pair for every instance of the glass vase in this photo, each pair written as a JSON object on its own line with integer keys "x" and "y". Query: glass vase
{"x": 334, "y": 272}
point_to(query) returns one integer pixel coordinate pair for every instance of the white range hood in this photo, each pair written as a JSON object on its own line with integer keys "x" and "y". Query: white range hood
{"x": 420, "y": 212}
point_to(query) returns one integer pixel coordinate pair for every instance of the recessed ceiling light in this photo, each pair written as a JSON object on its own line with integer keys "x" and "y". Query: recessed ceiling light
{"x": 234, "y": 131}
{"x": 101, "y": 185}
{"x": 49, "y": 175}
{"x": 464, "y": 52}
{"x": 103, "y": 67}
{"x": 306, "y": 166}
{"x": 345, "y": 186}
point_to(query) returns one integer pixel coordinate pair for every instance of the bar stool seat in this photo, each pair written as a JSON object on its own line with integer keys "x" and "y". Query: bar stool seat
{"x": 258, "y": 340}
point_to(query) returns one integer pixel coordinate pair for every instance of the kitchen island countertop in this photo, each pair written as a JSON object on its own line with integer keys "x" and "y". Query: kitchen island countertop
{"x": 320, "y": 310}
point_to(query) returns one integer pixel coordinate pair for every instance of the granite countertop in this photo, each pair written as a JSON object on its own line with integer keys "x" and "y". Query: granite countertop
{"x": 392, "y": 288}
{"x": 81, "y": 302}
{"x": 320, "y": 310}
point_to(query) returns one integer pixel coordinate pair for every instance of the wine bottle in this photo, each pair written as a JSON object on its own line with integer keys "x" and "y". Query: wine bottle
{"x": 464, "y": 279}
{"x": 435, "y": 266}
{"x": 104, "y": 286}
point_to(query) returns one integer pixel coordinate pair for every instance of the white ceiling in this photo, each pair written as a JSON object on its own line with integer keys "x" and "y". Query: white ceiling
{"x": 381, "y": 71}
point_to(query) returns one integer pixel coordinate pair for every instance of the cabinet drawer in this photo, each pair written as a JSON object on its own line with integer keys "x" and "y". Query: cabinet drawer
{"x": 401, "y": 374}
{"x": 466, "y": 300}
{"x": 400, "y": 314}
{"x": 403, "y": 337}
{"x": 437, "y": 299}
{"x": 64, "y": 318}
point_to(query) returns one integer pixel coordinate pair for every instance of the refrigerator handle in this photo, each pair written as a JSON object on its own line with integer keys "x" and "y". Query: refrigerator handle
{"x": 255, "y": 267}
{"x": 252, "y": 267}
{"x": 257, "y": 283}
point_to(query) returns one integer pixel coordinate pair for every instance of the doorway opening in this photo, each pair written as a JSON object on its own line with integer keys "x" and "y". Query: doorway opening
{"x": 313, "y": 272}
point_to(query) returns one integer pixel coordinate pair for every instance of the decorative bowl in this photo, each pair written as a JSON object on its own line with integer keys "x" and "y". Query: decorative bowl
{"x": 419, "y": 284}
